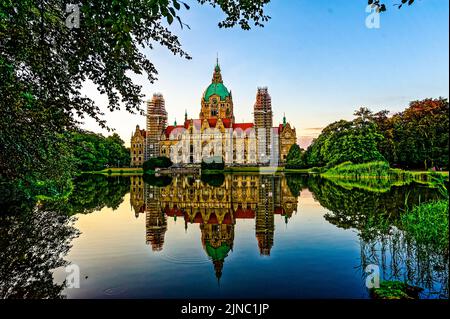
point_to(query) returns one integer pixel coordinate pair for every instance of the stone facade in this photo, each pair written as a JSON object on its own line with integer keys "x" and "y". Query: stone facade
{"x": 216, "y": 134}
{"x": 137, "y": 147}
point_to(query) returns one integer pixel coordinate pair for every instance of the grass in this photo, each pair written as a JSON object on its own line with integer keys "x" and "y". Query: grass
{"x": 427, "y": 224}
{"x": 374, "y": 185}
{"x": 349, "y": 170}
{"x": 381, "y": 171}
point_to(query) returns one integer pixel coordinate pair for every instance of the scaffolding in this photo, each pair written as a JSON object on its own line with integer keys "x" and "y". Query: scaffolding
{"x": 263, "y": 119}
{"x": 156, "y": 123}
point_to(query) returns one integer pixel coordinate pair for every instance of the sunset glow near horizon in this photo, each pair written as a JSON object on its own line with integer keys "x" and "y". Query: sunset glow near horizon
{"x": 318, "y": 59}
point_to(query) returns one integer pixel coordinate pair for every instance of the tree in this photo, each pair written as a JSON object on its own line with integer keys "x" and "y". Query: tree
{"x": 419, "y": 135}
{"x": 45, "y": 61}
{"x": 381, "y": 7}
{"x": 294, "y": 158}
{"x": 294, "y": 153}
{"x": 94, "y": 152}
{"x": 355, "y": 141}
{"x": 156, "y": 162}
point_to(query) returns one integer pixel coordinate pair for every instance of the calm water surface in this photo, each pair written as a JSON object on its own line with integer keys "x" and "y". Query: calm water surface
{"x": 223, "y": 236}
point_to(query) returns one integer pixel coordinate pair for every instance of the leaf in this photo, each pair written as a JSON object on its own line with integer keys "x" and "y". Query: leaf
{"x": 186, "y": 5}
{"x": 169, "y": 18}
{"x": 176, "y": 4}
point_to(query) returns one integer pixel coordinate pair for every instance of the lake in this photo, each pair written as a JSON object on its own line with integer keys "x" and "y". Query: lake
{"x": 217, "y": 236}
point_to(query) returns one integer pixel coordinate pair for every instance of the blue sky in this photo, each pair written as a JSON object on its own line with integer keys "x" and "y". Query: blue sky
{"x": 317, "y": 57}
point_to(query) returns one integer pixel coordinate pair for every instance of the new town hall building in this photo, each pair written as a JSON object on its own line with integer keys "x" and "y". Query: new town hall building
{"x": 215, "y": 134}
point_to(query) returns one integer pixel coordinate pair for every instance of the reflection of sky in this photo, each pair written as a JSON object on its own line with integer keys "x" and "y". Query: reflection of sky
{"x": 318, "y": 59}
{"x": 309, "y": 258}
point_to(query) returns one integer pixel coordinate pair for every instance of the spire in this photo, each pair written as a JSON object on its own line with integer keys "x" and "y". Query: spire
{"x": 284, "y": 119}
{"x": 218, "y": 265}
{"x": 175, "y": 122}
{"x": 185, "y": 115}
{"x": 217, "y": 77}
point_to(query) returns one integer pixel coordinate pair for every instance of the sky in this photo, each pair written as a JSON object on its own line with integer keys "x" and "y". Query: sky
{"x": 318, "y": 58}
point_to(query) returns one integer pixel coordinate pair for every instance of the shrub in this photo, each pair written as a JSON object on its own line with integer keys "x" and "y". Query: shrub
{"x": 213, "y": 164}
{"x": 156, "y": 162}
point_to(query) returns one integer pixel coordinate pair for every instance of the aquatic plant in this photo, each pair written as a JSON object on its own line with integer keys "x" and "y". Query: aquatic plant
{"x": 395, "y": 290}
{"x": 427, "y": 224}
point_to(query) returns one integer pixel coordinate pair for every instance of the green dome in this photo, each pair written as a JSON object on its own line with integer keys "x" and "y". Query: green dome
{"x": 218, "y": 89}
{"x": 218, "y": 253}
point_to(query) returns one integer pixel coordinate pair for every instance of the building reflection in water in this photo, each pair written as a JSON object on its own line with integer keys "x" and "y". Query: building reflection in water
{"x": 215, "y": 205}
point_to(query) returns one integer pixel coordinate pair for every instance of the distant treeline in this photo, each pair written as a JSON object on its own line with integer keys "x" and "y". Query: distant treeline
{"x": 417, "y": 138}
{"x": 65, "y": 156}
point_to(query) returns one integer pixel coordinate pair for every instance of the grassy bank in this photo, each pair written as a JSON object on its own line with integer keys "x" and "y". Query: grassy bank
{"x": 379, "y": 170}
{"x": 427, "y": 224}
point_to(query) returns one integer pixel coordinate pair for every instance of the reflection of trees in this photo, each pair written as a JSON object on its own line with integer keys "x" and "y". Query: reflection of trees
{"x": 159, "y": 181}
{"x": 401, "y": 259}
{"x": 214, "y": 180}
{"x": 32, "y": 244}
{"x": 92, "y": 193}
{"x": 374, "y": 215}
{"x": 296, "y": 182}
{"x": 352, "y": 208}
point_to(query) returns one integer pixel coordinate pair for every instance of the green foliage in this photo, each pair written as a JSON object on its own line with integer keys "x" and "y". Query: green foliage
{"x": 213, "y": 164}
{"x": 91, "y": 193}
{"x": 381, "y": 7}
{"x": 156, "y": 162}
{"x": 395, "y": 290}
{"x": 44, "y": 64}
{"x": 296, "y": 183}
{"x": 350, "y": 170}
{"x": 214, "y": 180}
{"x": 354, "y": 207}
{"x": 342, "y": 141}
{"x": 94, "y": 152}
{"x": 427, "y": 224}
{"x": 159, "y": 181}
{"x": 415, "y": 138}
{"x": 294, "y": 158}
{"x": 32, "y": 245}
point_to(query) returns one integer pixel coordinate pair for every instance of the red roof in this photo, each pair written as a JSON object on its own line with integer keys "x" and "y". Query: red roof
{"x": 143, "y": 133}
{"x": 226, "y": 123}
{"x": 243, "y": 126}
{"x": 279, "y": 211}
{"x": 212, "y": 122}
{"x": 170, "y": 128}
